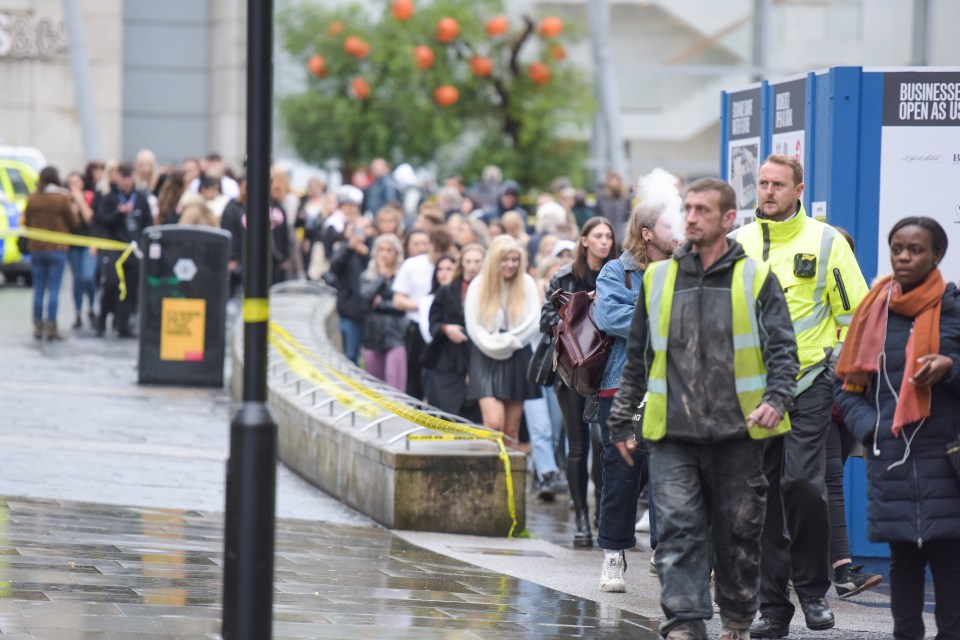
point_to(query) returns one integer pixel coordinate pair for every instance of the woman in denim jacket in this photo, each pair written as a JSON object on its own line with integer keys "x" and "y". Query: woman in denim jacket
{"x": 649, "y": 238}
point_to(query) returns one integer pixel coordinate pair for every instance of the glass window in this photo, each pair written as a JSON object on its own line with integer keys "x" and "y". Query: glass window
{"x": 17, "y": 182}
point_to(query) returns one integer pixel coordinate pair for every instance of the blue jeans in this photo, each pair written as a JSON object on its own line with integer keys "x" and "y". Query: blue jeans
{"x": 352, "y": 333}
{"x": 83, "y": 266}
{"x": 47, "y": 268}
{"x": 711, "y": 500}
{"x": 544, "y": 423}
{"x": 622, "y": 485}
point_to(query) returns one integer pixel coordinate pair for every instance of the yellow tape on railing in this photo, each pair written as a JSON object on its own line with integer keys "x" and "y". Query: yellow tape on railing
{"x": 73, "y": 240}
{"x": 304, "y": 369}
{"x": 408, "y": 413}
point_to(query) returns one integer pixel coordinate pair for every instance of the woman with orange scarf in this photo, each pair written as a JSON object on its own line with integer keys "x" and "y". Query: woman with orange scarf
{"x": 898, "y": 385}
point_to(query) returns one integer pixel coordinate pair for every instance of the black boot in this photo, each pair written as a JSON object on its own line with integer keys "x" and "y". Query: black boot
{"x": 584, "y": 536}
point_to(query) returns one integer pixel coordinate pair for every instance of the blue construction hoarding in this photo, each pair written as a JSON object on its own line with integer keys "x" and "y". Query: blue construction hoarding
{"x": 876, "y": 145}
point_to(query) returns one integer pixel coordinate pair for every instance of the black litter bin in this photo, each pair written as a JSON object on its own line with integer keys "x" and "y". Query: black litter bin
{"x": 183, "y": 305}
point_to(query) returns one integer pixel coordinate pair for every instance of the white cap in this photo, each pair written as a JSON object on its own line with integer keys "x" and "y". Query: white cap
{"x": 349, "y": 193}
{"x": 563, "y": 245}
{"x": 405, "y": 175}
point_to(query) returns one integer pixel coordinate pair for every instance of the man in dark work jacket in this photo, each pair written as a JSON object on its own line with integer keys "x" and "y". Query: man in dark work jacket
{"x": 122, "y": 215}
{"x": 712, "y": 361}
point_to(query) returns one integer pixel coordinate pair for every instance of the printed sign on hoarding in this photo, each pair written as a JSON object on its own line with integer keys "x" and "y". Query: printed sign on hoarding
{"x": 744, "y": 150}
{"x": 920, "y": 157}
{"x": 789, "y": 110}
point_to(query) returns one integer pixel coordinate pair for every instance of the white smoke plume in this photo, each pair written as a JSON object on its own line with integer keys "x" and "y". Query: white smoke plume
{"x": 660, "y": 187}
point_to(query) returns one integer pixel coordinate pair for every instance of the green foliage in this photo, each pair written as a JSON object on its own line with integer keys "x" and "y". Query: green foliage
{"x": 518, "y": 123}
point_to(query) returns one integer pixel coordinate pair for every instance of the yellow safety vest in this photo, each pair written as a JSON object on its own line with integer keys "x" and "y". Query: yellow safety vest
{"x": 749, "y": 371}
{"x": 779, "y": 245}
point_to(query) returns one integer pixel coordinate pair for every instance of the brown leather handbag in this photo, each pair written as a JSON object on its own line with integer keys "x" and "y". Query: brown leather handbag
{"x": 580, "y": 348}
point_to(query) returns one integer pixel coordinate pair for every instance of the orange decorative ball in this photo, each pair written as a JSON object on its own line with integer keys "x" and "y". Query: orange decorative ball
{"x": 423, "y": 55}
{"x": 481, "y": 65}
{"x": 402, "y": 9}
{"x": 360, "y": 88}
{"x": 356, "y": 47}
{"x": 447, "y": 30}
{"x": 539, "y": 72}
{"x": 497, "y": 26}
{"x": 557, "y": 52}
{"x": 317, "y": 66}
{"x": 551, "y": 27}
{"x": 446, "y": 95}
{"x": 335, "y": 28}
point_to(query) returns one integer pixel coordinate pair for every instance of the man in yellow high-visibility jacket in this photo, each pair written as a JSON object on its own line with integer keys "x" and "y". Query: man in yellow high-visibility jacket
{"x": 823, "y": 285}
{"x": 712, "y": 350}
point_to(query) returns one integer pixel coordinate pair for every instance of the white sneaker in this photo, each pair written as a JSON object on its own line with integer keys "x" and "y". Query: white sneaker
{"x": 611, "y": 575}
{"x": 643, "y": 524}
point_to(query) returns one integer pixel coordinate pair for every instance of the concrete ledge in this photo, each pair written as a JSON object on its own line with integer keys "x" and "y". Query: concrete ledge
{"x": 443, "y": 486}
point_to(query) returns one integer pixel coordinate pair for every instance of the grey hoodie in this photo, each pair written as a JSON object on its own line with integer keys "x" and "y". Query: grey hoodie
{"x": 702, "y": 404}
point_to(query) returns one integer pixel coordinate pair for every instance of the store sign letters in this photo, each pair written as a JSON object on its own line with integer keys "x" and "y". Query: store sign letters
{"x": 25, "y": 36}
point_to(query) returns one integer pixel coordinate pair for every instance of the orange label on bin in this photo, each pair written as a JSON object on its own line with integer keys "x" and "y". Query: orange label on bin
{"x": 182, "y": 328}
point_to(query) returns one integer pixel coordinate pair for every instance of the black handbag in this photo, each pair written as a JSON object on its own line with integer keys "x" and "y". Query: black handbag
{"x": 22, "y": 245}
{"x": 540, "y": 370}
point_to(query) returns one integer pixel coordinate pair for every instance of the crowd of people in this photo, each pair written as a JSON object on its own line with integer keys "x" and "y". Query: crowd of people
{"x": 727, "y": 395}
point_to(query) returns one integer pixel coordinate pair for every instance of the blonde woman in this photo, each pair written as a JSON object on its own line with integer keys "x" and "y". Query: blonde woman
{"x": 384, "y": 353}
{"x": 502, "y": 313}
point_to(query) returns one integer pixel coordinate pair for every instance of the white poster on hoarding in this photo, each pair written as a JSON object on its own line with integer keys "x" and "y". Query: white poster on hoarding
{"x": 744, "y": 150}
{"x": 920, "y": 159}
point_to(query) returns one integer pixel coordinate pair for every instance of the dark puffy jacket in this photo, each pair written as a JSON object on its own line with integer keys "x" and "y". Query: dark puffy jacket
{"x": 918, "y": 500}
{"x": 348, "y": 265}
{"x": 385, "y": 325}
{"x": 702, "y": 403}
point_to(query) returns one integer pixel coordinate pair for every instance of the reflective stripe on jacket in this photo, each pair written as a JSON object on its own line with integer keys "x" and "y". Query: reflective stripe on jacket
{"x": 821, "y": 279}
{"x": 750, "y": 374}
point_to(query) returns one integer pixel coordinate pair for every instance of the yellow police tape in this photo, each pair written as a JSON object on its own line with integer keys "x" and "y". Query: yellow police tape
{"x": 56, "y": 237}
{"x": 299, "y": 365}
{"x": 445, "y": 427}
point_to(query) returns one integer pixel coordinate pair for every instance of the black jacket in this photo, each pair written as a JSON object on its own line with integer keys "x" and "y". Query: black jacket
{"x": 348, "y": 265}
{"x": 233, "y": 221}
{"x": 919, "y": 500}
{"x": 125, "y": 227}
{"x": 441, "y": 354}
{"x": 702, "y": 403}
{"x": 385, "y": 325}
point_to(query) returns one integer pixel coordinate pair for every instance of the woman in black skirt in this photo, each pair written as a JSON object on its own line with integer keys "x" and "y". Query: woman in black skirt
{"x": 448, "y": 354}
{"x": 596, "y": 245}
{"x": 502, "y": 313}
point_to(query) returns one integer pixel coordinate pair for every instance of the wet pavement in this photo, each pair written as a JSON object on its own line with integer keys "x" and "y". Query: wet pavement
{"x": 111, "y": 499}
{"x": 72, "y": 570}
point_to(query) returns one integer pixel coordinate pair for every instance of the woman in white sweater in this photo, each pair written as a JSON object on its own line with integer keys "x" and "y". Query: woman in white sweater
{"x": 502, "y": 314}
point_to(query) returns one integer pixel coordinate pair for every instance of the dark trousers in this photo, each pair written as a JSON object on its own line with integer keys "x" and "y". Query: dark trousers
{"x": 110, "y": 301}
{"x": 796, "y": 532}
{"x": 839, "y": 442}
{"x": 413, "y": 341}
{"x": 710, "y": 501}
{"x": 622, "y": 485}
{"x": 907, "y": 572}
{"x": 578, "y": 442}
